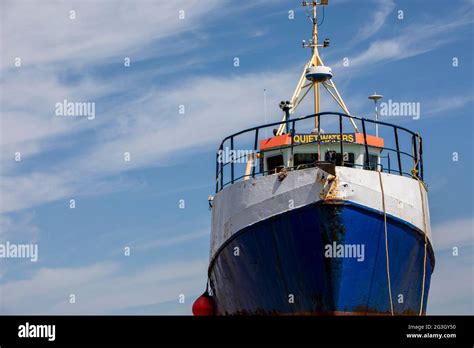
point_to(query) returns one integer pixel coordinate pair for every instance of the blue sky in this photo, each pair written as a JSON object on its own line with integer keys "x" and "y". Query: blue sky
{"x": 190, "y": 62}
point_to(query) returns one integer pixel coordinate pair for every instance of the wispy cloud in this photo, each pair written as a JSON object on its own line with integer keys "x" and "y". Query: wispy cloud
{"x": 145, "y": 123}
{"x": 446, "y": 105}
{"x": 415, "y": 38}
{"x": 459, "y": 233}
{"x": 170, "y": 241}
{"x": 43, "y": 32}
{"x": 439, "y": 106}
{"x": 20, "y": 227}
{"x": 377, "y": 20}
{"x": 51, "y": 45}
{"x": 102, "y": 288}
{"x": 452, "y": 287}
{"x": 150, "y": 138}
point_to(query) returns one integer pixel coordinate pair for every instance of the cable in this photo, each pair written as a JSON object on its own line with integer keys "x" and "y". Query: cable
{"x": 421, "y": 184}
{"x": 386, "y": 243}
{"x": 322, "y": 21}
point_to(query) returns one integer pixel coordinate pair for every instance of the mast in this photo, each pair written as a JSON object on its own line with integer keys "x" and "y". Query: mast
{"x": 305, "y": 84}
{"x": 315, "y": 55}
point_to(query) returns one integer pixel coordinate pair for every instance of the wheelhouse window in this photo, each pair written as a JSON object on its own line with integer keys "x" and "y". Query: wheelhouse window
{"x": 330, "y": 156}
{"x": 373, "y": 161}
{"x": 304, "y": 158}
{"x": 275, "y": 163}
{"x": 335, "y": 157}
{"x": 349, "y": 159}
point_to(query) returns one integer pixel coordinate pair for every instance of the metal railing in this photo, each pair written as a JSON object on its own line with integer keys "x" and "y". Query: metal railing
{"x": 415, "y": 158}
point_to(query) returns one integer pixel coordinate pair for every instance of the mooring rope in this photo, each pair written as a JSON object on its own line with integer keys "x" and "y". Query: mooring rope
{"x": 421, "y": 185}
{"x": 386, "y": 243}
{"x": 426, "y": 244}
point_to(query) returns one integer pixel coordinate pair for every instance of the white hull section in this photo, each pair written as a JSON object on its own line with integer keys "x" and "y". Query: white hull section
{"x": 247, "y": 202}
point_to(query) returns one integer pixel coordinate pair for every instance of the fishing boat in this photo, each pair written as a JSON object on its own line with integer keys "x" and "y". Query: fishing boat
{"x": 323, "y": 214}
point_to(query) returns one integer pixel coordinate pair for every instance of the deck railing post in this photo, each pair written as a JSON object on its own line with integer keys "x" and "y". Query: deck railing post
{"x": 400, "y": 170}
{"x": 415, "y": 156}
{"x": 367, "y": 161}
{"x": 221, "y": 149}
{"x": 340, "y": 134}
{"x": 232, "y": 160}
{"x": 255, "y": 147}
{"x": 217, "y": 171}
{"x": 421, "y": 156}
{"x": 319, "y": 137}
{"x": 292, "y": 134}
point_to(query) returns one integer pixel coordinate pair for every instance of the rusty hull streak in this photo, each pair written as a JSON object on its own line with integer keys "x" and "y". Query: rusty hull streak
{"x": 329, "y": 190}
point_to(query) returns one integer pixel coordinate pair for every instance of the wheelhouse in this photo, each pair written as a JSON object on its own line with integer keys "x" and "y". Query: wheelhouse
{"x": 310, "y": 148}
{"x": 249, "y": 153}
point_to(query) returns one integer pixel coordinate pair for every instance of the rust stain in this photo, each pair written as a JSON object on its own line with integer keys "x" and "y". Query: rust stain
{"x": 282, "y": 174}
{"x": 263, "y": 312}
{"x": 329, "y": 189}
{"x": 363, "y": 310}
{"x": 227, "y": 229}
{"x": 321, "y": 177}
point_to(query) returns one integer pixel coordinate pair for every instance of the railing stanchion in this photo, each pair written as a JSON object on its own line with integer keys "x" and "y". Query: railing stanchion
{"x": 221, "y": 174}
{"x": 415, "y": 156}
{"x": 319, "y": 137}
{"x": 255, "y": 148}
{"x": 217, "y": 171}
{"x": 232, "y": 160}
{"x": 398, "y": 152}
{"x": 341, "y": 140}
{"x": 421, "y": 156}
{"x": 292, "y": 135}
{"x": 367, "y": 160}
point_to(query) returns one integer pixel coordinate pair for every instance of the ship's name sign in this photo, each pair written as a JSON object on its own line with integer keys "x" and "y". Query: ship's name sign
{"x": 324, "y": 138}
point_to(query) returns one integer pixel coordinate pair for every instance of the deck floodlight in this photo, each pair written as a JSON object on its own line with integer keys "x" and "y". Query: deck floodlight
{"x": 285, "y": 105}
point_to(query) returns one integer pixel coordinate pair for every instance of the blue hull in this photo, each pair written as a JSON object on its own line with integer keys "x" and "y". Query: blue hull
{"x": 281, "y": 266}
